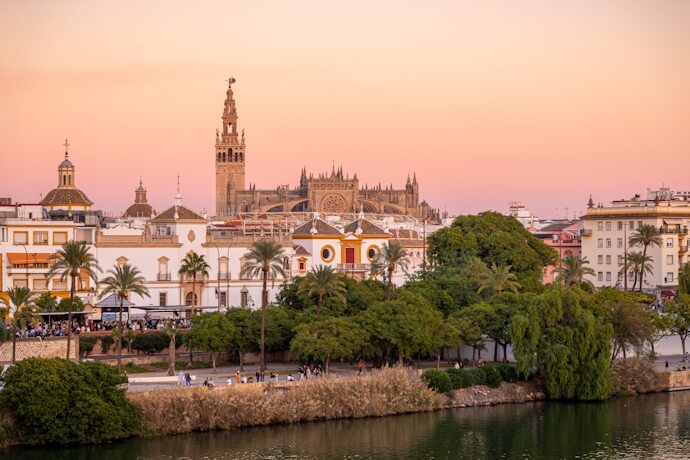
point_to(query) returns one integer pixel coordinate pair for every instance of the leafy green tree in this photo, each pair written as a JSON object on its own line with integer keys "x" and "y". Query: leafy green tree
{"x": 493, "y": 238}
{"x": 391, "y": 258}
{"x": 572, "y": 272}
{"x": 20, "y": 307}
{"x": 55, "y": 401}
{"x": 679, "y": 312}
{"x": 280, "y": 322}
{"x": 497, "y": 279}
{"x": 684, "y": 280}
{"x": 123, "y": 280}
{"x": 265, "y": 258}
{"x": 560, "y": 336}
{"x": 327, "y": 339}
{"x": 321, "y": 282}
{"x": 246, "y": 339}
{"x": 472, "y": 323}
{"x": 661, "y": 327}
{"x": 192, "y": 266}
{"x": 402, "y": 327}
{"x": 76, "y": 305}
{"x": 632, "y": 327}
{"x": 70, "y": 261}
{"x": 213, "y": 333}
{"x": 48, "y": 303}
{"x": 646, "y": 235}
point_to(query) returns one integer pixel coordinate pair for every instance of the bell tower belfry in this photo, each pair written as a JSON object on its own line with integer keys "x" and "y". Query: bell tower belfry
{"x": 230, "y": 159}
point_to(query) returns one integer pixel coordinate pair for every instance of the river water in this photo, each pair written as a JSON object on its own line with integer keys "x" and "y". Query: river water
{"x": 644, "y": 427}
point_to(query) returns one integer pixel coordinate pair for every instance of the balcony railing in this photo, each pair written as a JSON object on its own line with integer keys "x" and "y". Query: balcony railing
{"x": 353, "y": 267}
{"x": 675, "y": 229}
{"x": 164, "y": 277}
{"x": 683, "y": 248}
{"x": 224, "y": 276}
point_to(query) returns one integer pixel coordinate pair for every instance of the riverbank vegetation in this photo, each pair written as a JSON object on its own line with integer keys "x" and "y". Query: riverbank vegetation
{"x": 381, "y": 393}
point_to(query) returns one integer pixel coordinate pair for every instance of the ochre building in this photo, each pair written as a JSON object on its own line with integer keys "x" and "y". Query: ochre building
{"x": 326, "y": 193}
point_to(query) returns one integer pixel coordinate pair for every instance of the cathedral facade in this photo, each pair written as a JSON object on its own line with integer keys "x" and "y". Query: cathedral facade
{"x": 333, "y": 192}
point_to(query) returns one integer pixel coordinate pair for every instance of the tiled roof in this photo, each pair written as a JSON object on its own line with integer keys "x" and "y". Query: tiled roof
{"x": 139, "y": 210}
{"x": 182, "y": 214}
{"x": 367, "y": 227}
{"x": 322, "y": 228}
{"x": 300, "y": 250}
{"x": 113, "y": 300}
{"x": 66, "y": 197}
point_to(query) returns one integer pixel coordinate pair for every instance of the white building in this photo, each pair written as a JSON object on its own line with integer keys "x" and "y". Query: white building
{"x": 606, "y": 232}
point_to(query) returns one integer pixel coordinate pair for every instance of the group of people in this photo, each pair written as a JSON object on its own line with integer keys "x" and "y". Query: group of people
{"x": 42, "y": 330}
{"x": 184, "y": 379}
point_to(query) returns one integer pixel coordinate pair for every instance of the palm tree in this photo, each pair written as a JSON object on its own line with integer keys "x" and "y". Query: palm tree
{"x": 123, "y": 280}
{"x": 192, "y": 265}
{"x": 573, "y": 270}
{"x": 646, "y": 235}
{"x": 322, "y": 282}
{"x": 265, "y": 258}
{"x": 391, "y": 257}
{"x": 69, "y": 261}
{"x": 637, "y": 263}
{"x": 20, "y": 306}
{"x": 498, "y": 279}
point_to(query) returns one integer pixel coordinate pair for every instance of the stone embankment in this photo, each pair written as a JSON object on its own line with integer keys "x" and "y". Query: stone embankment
{"x": 507, "y": 393}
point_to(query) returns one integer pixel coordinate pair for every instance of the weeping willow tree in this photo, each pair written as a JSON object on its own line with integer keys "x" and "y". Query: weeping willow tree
{"x": 565, "y": 338}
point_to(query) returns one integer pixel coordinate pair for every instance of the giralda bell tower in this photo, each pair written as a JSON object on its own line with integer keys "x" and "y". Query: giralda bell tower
{"x": 230, "y": 159}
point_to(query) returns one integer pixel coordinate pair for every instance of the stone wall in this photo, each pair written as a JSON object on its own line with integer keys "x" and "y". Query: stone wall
{"x": 673, "y": 380}
{"x": 50, "y": 347}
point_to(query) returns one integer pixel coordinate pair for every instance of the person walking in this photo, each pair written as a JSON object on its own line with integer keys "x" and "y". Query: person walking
{"x": 188, "y": 379}
{"x": 180, "y": 379}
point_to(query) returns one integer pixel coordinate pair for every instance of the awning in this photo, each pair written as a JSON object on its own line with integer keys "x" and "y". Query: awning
{"x": 113, "y": 301}
{"x": 22, "y": 258}
{"x": 673, "y": 221}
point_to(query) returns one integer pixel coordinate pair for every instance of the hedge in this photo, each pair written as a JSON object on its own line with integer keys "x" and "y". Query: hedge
{"x": 54, "y": 401}
{"x": 491, "y": 376}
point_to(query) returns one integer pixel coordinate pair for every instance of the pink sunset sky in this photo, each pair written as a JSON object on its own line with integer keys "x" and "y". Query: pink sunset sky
{"x": 542, "y": 102}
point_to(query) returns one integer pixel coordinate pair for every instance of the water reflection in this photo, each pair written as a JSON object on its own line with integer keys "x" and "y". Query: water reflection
{"x": 643, "y": 427}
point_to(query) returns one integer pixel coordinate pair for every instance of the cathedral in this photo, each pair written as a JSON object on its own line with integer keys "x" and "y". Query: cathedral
{"x": 331, "y": 193}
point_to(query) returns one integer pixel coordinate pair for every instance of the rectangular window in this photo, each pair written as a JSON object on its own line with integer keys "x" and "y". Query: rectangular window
{"x": 59, "y": 238}
{"x": 608, "y": 242}
{"x": 163, "y": 299}
{"x": 620, "y": 225}
{"x": 608, "y": 260}
{"x": 639, "y": 224}
{"x": 19, "y": 283}
{"x": 669, "y": 242}
{"x": 600, "y": 243}
{"x": 608, "y": 276}
{"x": 669, "y": 260}
{"x": 620, "y": 260}
{"x": 631, "y": 224}
{"x": 40, "y": 285}
{"x": 223, "y": 298}
{"x": 302, "y": 266}
{"x": 600, "y": 259}
{"x": 59, "y": 285}
{"x": 669, "y": 277}
{"x": 608, "y": 226}
{"x": 41, "y": 238}
{"x": 619, "y": 243}
{"x": 600, "y": 276}
{"x": 600, "y": 226}
{"x": 20, "y": 238}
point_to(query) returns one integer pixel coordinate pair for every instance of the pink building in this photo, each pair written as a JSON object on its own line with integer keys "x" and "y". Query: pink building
{"x": 564, "y": 237}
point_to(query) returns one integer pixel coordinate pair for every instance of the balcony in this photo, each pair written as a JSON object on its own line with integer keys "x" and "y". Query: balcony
{"x": 586, "y": 232}
{"x": 683, "y": 248}
{"x": 353, "y": 267}
{"x": 673, "y": 229}
{"x": 164, "y": 277}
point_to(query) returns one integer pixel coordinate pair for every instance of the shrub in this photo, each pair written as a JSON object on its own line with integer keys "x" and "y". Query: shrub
{"x": 86, "y": 345}
{"x": 492, "y": 376}
{"x": 54, "y": 401}
{"x": 508, "y": 372}
{"x": 475, "y": 377}
{"x": 459, "y": 378}
{"x": 437, "y": 380}
{"x": 632, "y": 376}
{"x": 151, "y": 343}
{"x": 107, "y": 341}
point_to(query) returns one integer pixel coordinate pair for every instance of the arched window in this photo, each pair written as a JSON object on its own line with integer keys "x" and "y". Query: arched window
{"x": 229, "y": 154}
{"x": 188, "y": 299}
{"x": 236, "y": 157}
{"x": 241, "y": 156}
{"x": 244, "y": 297}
